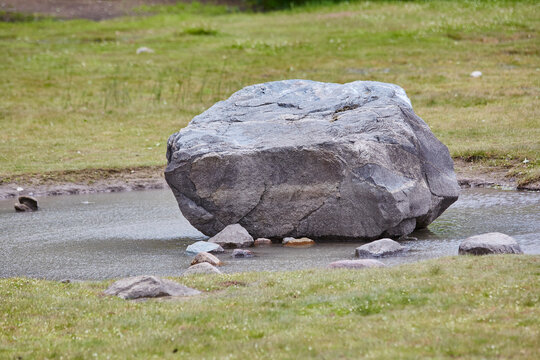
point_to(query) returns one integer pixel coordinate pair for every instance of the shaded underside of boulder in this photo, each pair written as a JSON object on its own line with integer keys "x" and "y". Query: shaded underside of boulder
{"x": 303, "y": 158}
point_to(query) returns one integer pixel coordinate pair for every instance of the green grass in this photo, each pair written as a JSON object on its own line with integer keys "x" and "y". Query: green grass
{"x": 74, "y": 94}
{"x": 459, "y": 307}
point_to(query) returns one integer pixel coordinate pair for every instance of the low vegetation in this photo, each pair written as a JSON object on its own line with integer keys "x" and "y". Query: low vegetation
{"x": 75, "y": 95}
{"x": 459, "y": 307}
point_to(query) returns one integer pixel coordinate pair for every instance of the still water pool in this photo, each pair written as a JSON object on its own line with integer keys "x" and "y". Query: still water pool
{"x": 103, "y": 236}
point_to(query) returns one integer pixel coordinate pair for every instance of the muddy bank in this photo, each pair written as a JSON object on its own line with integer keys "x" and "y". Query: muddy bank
{"x": 92, "y": 181}
{"x": 88, "y": 181}
{"x": 91, "y": 9}
{"x": 474, "y": 174}
{"x": 78, "y": 9}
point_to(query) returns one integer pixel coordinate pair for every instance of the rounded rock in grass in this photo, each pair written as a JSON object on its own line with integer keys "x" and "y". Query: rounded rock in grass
{"x": 304, "y": 158}
{"x": 202, "y": 268}
{"x": 379, "y": 248}
{"x": 489, "y": 243}
{"x": 355, "y": 264}
{"x": 148, "y": 287}
{"x": 206, "y": 257}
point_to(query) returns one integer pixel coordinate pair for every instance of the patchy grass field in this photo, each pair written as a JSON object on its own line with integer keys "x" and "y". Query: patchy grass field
{"x": 75, "y": 95}
{"x": 459, "y": 307}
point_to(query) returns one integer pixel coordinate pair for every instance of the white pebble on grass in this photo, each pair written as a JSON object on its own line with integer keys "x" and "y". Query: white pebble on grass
{"x": 144, "y": 49}
{"x": 476, "y": 74}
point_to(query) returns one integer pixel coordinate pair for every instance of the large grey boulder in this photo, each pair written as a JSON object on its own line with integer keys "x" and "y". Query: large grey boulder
{"x": 490, "y": 243}
{"x": 233, "y": 236}
{"x": 304, "y": 158}
{"x": 379, "y": 248}
{"x": 148, "y": 287}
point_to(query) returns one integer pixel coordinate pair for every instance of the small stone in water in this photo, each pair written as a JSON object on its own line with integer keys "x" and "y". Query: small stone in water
{"x": 241, "y": 253}
{"x": 301, "y": 242}
{"x": 262, "y": 242}
{"x": 206, "y": 257}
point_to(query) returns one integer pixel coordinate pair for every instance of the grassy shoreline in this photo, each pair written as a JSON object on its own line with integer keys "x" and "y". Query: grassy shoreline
{"x": 82, "y": 98}
{"x": 456, "y": 307}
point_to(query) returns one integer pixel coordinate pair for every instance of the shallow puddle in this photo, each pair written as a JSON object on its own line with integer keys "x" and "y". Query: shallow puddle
{"x": 102, "y": 236}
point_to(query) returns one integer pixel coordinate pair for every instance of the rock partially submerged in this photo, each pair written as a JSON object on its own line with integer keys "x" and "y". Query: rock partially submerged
{"x": 241, "y": 253}
{"x": 202, "y": 268}
{"x": 304, "y": 158}
{"x": 26, "y": 204}
{"x": 379, "y": 248}
{"x": 206, "y": 257}
{"x": 355, "y": 264}
{"x": 148, "y": 287}
{"x": 262, "y": 242}
{"x": 233, "y": 236}
{"x": 203, "y": 246}
{"x": 489, "y": 243}
{"x": 301, "y": 242}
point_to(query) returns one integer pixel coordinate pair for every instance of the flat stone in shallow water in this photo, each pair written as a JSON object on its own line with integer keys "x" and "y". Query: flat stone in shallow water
{"x": 355, "y": 264}
{"x": 379, "y": 248}
{"x": 262, "y": 242}
{"x": 301, "y": 242}
{"x": 148, "y": 287}
{"x": 203, "y": 246}
{"x": 490, "y": 243}
{"x": 304, "y": 158}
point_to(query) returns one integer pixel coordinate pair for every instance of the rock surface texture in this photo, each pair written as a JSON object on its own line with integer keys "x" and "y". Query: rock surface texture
{"x": 378, "y": 248}
{"x": 303, "y": 158}
{"x": 262, "y": 242}
{"x": 490, "y": 243}
{"x": 233, "y": 236}
{"x": 206, "y": 257}
{"x": 241, "y": 253}
{"x": 203, "y": 246}
{"x": 148, "y": 287}
{"x": 302, "y": 242}
{"x": 26, "y": 204}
